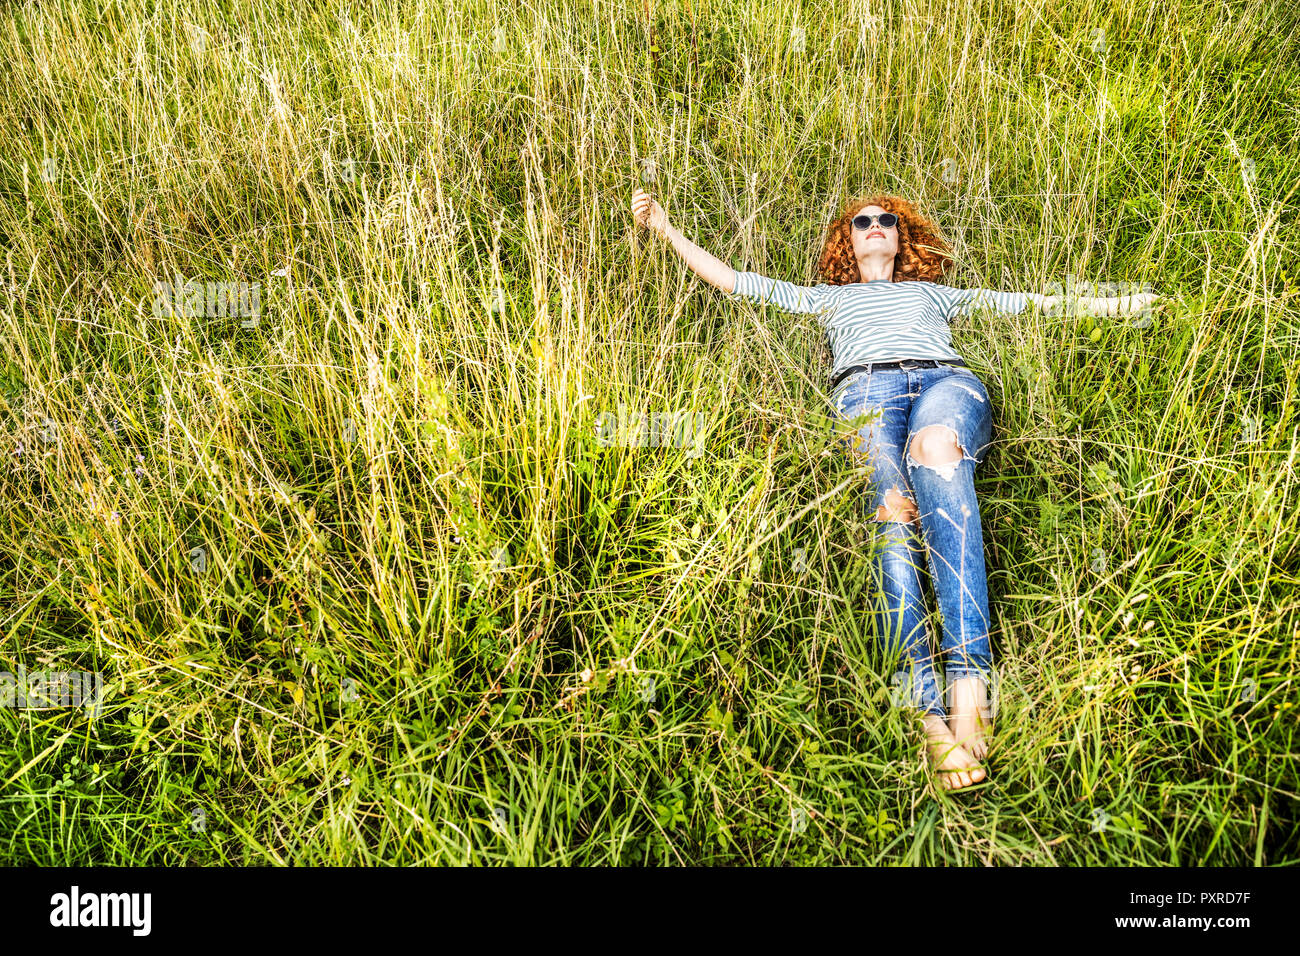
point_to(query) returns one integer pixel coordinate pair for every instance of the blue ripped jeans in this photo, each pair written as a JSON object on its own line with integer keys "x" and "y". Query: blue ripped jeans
{"x": 901, "y": 402}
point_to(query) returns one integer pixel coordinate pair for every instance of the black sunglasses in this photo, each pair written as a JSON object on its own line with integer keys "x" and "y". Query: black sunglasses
{"x": 886, "y": 219}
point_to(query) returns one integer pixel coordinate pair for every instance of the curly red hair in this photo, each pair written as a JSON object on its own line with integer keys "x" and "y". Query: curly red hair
{"x": 922, "y": 253}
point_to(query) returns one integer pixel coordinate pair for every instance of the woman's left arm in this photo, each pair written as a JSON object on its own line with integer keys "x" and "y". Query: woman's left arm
{"x": 1096, "y": 305}
{"x": 960, "y": 302}
{"x": 1119, "y": 305}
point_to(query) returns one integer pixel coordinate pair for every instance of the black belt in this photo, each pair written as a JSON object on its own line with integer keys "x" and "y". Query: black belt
{"x": 904, "y": 363}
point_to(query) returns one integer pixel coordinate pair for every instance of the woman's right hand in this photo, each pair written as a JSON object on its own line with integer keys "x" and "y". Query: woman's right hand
{"x": 647, "y": 212}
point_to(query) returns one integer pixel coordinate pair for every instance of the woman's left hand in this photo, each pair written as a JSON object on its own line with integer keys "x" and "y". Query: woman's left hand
{"x": 1144, "y": 302}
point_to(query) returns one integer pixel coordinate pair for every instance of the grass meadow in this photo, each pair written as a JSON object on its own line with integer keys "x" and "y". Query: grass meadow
{"x": 310, "y": 318}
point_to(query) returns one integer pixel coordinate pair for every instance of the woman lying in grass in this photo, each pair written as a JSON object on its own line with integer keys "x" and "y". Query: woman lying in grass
{"x": 929, "y": 426}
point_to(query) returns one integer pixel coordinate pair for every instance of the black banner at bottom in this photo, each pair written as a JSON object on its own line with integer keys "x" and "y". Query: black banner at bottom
{"x": 304, "y": 906}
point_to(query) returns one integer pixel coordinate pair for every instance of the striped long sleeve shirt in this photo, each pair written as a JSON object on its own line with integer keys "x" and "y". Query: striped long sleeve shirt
{"x": 881, "y": 320}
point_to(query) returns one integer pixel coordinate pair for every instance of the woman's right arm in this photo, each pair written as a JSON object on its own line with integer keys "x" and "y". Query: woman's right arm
{"x": 747, "y": 285}
{"x": 711, "y": 269}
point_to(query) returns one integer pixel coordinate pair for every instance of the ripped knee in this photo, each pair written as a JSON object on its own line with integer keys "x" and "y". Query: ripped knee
{"x": 938, "y": 447}
{"x": 896, "y": 508}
